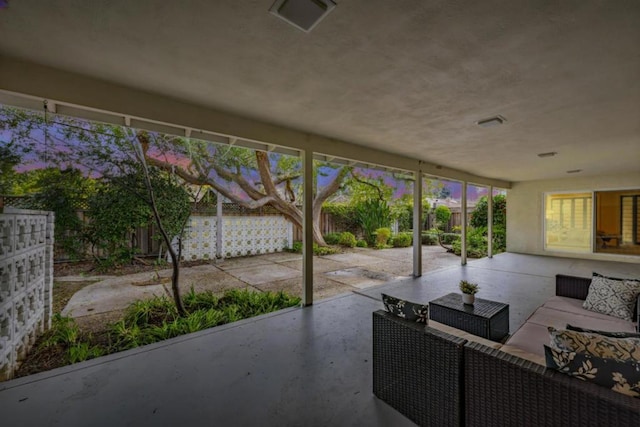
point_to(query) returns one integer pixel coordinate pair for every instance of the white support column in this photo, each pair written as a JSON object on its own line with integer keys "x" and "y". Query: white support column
{"x": 463, "y": 238}
{"x": 417, "y": 223}
{"x": 219, "y": 251}
{"x": 307, "y": 229}
{"x": 490, "y": 223}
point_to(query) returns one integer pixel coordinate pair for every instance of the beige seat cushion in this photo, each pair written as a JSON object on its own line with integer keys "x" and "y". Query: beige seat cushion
{"x": 530, "y": 338}
{"x": 545, "y": 316}
{"x": 573, "y": 305}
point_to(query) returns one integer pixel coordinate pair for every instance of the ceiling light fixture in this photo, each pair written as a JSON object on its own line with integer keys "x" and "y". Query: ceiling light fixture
{"x": 549, "y": 154}
{"x": 302, "y": 14}
{"x": 575, "y": 171}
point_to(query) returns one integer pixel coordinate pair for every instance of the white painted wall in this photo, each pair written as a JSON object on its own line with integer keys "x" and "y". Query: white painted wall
{"x": 525, "y": 203}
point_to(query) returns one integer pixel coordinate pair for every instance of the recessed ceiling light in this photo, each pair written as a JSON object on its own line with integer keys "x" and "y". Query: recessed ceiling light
{"x": 549, "y": 154}
{"x": 575, "y": 171}
{"x": 302, "y": 14}
{"x": 491, "y": 121}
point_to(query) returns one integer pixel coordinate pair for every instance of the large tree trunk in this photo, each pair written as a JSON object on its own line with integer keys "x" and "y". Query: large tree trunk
{"x": 293, "y": 214}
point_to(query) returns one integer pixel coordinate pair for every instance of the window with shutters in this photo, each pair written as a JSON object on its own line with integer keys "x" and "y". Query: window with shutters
{"x": 600, "y": 221}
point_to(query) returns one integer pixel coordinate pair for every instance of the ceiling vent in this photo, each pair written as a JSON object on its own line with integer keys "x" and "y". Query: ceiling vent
{"x": 302, "y": 14}
{"x": 491, "y": 121}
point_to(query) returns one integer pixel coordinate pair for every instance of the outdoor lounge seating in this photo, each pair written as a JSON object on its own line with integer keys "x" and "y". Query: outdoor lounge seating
{"x": 446, "y": 378}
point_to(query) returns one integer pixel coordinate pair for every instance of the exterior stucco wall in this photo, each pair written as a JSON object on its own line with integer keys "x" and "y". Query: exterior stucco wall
{"x": 525, "y": 216}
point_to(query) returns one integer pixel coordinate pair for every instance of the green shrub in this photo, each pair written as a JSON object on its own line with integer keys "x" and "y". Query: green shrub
{"x": 443, "y": 214}
{"x": 361, "y": 244}
{"x": 450, "y": 238}
{"x": 499, "y": 239}
{"x": 477, "y": 246}
{"x": 324, "y": 250}
{"x": 476, "y": 243}
{"x": 332, "y": 238}
{"x": 402, "y": 240}
{"x": 479, "y": 216}
{"x": 296, "y": 247}
{"x": 372, "y": 215}
{"x": 382, "y": 236}
{"x": 347, "y": 239}
{"x": 429, "y": 238}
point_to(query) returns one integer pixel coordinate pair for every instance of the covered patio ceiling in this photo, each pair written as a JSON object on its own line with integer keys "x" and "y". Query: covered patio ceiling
{"x": 407, "y": 78}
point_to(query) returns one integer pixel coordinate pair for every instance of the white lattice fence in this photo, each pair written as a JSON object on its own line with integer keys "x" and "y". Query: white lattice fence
{"x": 241, "y": 235}
{"x": 26, "y": 281}
{"x": 200, "y": 239}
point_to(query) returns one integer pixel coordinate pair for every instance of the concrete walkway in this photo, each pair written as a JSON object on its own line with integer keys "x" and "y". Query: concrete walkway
{"x": 337, "y": 274}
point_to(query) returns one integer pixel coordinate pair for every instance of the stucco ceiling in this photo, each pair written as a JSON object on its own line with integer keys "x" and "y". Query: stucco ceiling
{"x": 410, "y": 77}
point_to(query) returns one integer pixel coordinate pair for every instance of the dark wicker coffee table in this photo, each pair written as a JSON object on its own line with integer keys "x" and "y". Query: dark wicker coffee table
{"x": 487, "y": 319}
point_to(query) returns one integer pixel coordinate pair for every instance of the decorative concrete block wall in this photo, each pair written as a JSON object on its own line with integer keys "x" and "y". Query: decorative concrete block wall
{"x": 26, "y": 282}
{"x": 241, "y": 235}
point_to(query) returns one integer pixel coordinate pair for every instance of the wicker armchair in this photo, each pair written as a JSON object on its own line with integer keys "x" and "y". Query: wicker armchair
{"x": 418, "y": 370}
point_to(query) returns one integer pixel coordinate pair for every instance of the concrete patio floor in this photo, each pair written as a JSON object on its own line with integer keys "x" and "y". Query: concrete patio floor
{"x": 333, "y": 275}
{"x": 297, "y": 367}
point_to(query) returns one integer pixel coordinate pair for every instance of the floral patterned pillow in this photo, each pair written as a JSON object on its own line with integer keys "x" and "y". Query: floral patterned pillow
{"x": 405, "y": 309}
{"x": 614, "y": 297}
{"x": 595, "y": 345}
{"x": 604, "y": 333}
{"x": 620, "y": 376}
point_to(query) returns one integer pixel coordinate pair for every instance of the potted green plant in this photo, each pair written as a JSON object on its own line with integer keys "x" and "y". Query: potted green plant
{"x": 469, "y": 291}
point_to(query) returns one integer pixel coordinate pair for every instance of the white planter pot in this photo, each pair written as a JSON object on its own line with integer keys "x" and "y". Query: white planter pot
{"x": 468, "y": 299}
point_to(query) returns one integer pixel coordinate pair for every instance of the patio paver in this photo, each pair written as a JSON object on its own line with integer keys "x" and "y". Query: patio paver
{"x": 255, "y": 275}
{"x": 322, "y": 287}
{"x": 359, "y": 277}
{"x": 320, "y": 264}
{"x": 353, "y": 258}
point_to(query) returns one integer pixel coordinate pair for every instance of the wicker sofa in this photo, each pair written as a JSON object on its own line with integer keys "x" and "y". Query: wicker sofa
{"x": 439, "y": 378}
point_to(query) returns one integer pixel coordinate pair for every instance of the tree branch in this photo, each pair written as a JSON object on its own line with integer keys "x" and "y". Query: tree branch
{"x": 265, "y": 174}
{"x": 362, "y": 181}
{"x": 203, "y": 180}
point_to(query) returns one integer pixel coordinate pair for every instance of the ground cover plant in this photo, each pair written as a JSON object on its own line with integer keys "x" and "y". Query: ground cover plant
{"x": 296, "y": 247}
{"x": 146, "y": 322}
